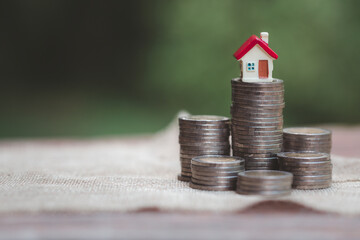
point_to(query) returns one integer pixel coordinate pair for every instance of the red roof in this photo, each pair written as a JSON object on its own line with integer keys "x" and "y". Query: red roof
{"x": 250, "y": 43}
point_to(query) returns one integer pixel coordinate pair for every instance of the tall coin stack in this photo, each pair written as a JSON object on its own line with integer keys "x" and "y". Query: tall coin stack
{"x": 257, "y": 122}
{"x": 264, "y": 182}
{"x": 310, "y": 170}
{"x": 202, "y": 135}
{"x": 215, "y": 173}
{"x": 304, "y": 139}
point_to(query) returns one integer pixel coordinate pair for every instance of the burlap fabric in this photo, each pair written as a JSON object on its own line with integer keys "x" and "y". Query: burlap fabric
{"x": 126, "y": 174}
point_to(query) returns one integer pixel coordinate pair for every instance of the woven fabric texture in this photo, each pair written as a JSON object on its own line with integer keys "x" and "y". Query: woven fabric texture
{"x": 133, "y": 173}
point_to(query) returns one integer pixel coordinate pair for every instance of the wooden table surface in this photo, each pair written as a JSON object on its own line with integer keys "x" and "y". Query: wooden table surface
{"x": 266, "y": 220}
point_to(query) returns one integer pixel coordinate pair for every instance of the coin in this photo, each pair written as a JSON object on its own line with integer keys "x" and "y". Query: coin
{"x": 200, "y": 148}
{"x": 255, "y": 111}
{"x": 217, "y": 161}
{"x": 211, "y": 188}
{"x": 260, "y": 164}
{"x": 216, "y": 173}
{"x": 203, "y": 119}
{"x": 276, "y": 83}
{"x": 303, "y": 156}
{"x": 256, "y": 150}
{"x": 305, "y": 163}
{"x": 311, "y": 187}
{"x": 260, "y": 182}
{"x": 306, "y": 131}
{"x": 265, "y": 175}
{"x": 254, "y": 155}
{"x": 229, "y": 182}
{"x": 264, "y": 193}
{"x": 305, "y": 178}
{"x": 183, "y": 178}
{"x": 217, "y": 168}
{"x": 188, "y": 174}
{"x": 242, "y": 112}
{"x": 251, "y": 188}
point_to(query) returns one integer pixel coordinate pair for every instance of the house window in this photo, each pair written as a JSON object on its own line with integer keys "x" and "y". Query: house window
{"x": 250, "y": 66}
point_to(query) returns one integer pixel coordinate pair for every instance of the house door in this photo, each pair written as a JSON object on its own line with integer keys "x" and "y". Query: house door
{"x": 263, "y": 69}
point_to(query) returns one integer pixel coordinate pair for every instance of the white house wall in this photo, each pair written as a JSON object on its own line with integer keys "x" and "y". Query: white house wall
{"x": 254, "y": 55}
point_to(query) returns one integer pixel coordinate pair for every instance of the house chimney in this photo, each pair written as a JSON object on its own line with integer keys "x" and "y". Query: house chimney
{"x": 265, "y": 37}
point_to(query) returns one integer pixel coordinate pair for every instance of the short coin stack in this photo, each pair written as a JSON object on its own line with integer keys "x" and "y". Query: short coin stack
{"x": 264, "y": 182}
{"x": 202, "y": 135}
{"x": 215, "y": 172}
{"x": 257, "y": 122}
{"x": 304, "y": 139}
{"x": 310, "y": 170}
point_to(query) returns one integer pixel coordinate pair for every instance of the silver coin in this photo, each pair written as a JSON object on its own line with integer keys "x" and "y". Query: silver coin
{"x": 204, "y": 139}
{"x": 257, "y": 182}
{"x": 205, "y": 152}
{"x": 262, "y": 159}
{"x": 182, "y": 155}
{"x": 300, "y": 156}
{"x": 204, "y": 134}
{"x": 305, "y": 164}
{"x": 260, "y": 126}
{"x": 247, "y": 142}
{"x": 311, "y": 172}
{"x": 264, "y": 164}
{"x": 201, "y": 169}
{"x": 203, "y": 119}
{"x": 241, "y": 101}
{"x": 311, "y": 181}
{"x": 211, "y": 188}
{"x": 254, "y": 150}
{"x": 244, "y": 113}
{"x": 256, "y": 133}
{"x": 217, "y": 161}
{"x": 237, "y": 109}
{"x": 265, "y": 175}
{"x": 298, "y": 178}
{"x": 257, "y": 138}
{"x": 213, "y": 183}
{"x": 204, "y": 131}
{"x": 257, "y": 145}
{"x": 186, "y": 174}
{"x": 205, "y": 147}
{"x": 247, "y": 103}
{"x": 183, "y": 178}
{"x": 263, "y": 193}
{"x": 204, "y": 127}
{"x": 308, "y": 144}
{"x": 311, "y": 187}
{"x": 259, "y": 119}
{"x": 250, "y": 168}
{"x": 299, "y": 170}
{"x": 302, "y": 149}
{"x": 253, "y": 155}
{"x": 214, "y": 178}
{"x": 257, "y": 94}
{"x": 194, "y": 144}
{"x": 306, "y": 131}
{"x": 244, "y": 187}
{"x": 216, "y": 173}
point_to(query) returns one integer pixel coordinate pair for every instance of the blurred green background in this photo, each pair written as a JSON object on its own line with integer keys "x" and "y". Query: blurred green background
{"x": 93, "y": 68}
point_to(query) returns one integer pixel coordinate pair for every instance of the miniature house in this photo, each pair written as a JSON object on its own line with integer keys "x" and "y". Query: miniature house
{"x": 256, "y": 59}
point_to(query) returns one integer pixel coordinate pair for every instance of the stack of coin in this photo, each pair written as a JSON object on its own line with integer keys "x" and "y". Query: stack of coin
{"x": 215, "y": 172}
{"x": 202, "y": 135}
{"x": 257, "y": 122}
{"x": 264, "y": 182}
{"x": 310, "y": 170}
{"x": 304, "y": 139}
